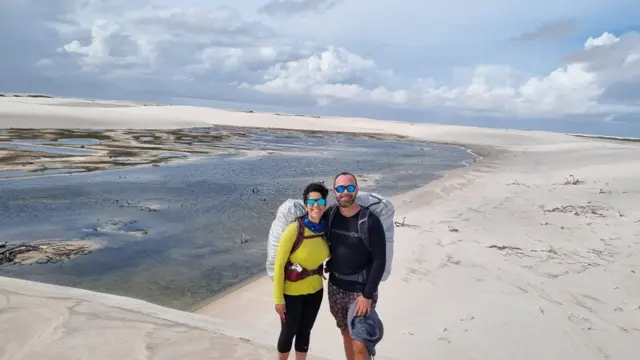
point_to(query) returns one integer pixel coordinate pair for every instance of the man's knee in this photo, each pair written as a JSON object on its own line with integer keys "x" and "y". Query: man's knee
{"x": 345, "y": 334}
{"x": 360, "y": 348}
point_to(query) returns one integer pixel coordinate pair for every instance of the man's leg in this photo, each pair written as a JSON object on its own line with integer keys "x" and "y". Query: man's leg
{"x": 360, "y": 351}
{"x": 348, "y": 345}
{"x": 339, "y": 301}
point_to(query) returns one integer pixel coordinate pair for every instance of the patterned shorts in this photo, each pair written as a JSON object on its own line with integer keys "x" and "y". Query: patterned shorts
{"x": 339, "y": 302}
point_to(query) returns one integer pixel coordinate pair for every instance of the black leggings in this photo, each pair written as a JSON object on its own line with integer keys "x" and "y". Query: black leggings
{"x": 300, "y": 315}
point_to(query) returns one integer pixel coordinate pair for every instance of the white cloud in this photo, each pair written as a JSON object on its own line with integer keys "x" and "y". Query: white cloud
{"x": 604, "y": 40}
{"x": 208, "y": 50}
{"x": 332, "y": 73}
{"x": 296, "y": 7}
{"x": 154, "y": 37}
{"x": 338, "y": 74}
{"x": 103, "y": 48}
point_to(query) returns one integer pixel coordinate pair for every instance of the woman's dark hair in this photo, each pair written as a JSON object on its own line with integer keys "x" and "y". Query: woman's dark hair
{"x": 315, "y": 187}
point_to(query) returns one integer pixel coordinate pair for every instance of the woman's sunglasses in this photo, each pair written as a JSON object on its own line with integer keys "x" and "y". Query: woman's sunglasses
{"x": 320, "y": 202}
{"x": 342, "y": 188}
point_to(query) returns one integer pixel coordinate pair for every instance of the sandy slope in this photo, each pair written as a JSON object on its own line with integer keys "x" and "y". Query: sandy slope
{"x": 40, "y": 321}
{"x": 566, "y": 286}
{"x": 484, "y": 272}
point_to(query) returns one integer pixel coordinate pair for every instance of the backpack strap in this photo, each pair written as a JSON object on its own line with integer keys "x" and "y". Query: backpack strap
{"x": 299, "y": 237}
{"x": 293, "y": 275}
{"x": 332, "y": 214}
{"x": 363, "y": 226}
{"x": 363, "y": 234}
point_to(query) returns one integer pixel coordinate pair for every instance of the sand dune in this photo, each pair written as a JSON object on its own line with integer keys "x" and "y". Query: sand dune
{"x": 510, "y": 258}
{"x": 58, "y": 323}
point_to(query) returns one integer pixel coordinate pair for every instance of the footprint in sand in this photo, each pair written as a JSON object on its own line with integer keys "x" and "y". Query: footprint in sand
{"x": 581, "y": 321}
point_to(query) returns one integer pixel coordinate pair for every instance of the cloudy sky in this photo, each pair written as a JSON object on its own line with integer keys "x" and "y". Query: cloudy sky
{"x": 568, "y": 65}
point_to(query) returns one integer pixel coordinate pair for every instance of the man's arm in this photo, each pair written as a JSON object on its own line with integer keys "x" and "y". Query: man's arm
{"x": 377, "y": 242}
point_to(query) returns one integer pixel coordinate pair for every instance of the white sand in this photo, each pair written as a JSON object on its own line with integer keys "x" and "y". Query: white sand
{"x": 567, "y": 289}
{"x": 40, "y": 321}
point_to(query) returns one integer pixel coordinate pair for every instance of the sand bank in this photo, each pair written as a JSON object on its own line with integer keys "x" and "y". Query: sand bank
{"x": 40, "y": 113}
{"x": 509, "y": 258}
{"x": 503, "y": 260}
{"x": 44, "y": 136}
{"x": 59, "y": 323}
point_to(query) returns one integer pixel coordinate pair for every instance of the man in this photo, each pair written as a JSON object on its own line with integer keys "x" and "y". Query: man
{"x": 355, "y": 267}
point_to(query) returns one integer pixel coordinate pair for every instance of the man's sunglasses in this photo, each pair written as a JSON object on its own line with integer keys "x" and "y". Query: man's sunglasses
{"x": 342, "y": 188}
{"x": 320, "y": 202}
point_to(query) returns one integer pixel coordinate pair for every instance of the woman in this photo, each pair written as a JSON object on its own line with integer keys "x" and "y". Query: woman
{"x": 298, "y": 270}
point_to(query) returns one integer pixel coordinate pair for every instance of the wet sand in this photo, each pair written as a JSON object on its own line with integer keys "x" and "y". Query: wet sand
{"x": 59, "y": 151}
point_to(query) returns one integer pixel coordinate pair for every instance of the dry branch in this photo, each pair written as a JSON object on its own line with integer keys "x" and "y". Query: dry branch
{"x": 504, "y": 247}
{"x": 577, "y": 210}
{"x": 404, "y": 224}
{"x": 572, "y": 180}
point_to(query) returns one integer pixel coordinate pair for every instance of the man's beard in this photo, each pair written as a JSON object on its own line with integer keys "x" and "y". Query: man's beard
{"x": 347, "y": 201}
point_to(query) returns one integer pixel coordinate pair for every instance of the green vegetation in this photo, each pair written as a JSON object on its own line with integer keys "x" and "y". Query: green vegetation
{"x": 609, "y": 138}
{"x": 54, "y": 134}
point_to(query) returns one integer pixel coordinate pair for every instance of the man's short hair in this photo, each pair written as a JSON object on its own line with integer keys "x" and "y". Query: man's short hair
{"x": 345, "y": 173}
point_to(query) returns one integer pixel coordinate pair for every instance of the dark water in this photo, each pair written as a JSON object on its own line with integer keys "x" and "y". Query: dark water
{"x": 180, "y": 233}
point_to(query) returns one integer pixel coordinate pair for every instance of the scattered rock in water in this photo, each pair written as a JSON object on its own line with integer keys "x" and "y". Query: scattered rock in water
{"x": 149, "y": 208}
{"x": 121, "y": 226}
{"x": 48, "y": 252}
{"x": 243, "y": 240}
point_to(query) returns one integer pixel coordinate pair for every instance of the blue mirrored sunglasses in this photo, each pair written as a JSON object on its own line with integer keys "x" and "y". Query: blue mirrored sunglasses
{"x": 320, "y": 202}
{"x": 342, "y": 188}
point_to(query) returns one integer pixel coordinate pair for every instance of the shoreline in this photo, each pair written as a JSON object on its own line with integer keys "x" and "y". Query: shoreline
{"x": 459, "y": 172}
{"x": 201, "y": 308}
{"x": 509, "y": 169}
{"x": 33, "y": 152}
{"x": 228, "y": 291}
{"x": 449, "y": 156}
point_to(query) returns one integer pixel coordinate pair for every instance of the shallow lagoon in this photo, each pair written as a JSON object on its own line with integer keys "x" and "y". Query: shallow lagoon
{"x": 182, "y": 232}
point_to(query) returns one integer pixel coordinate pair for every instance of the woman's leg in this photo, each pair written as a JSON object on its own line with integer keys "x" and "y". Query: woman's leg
{"x": 290, "y": 325}
{"x": 310, "y": 311}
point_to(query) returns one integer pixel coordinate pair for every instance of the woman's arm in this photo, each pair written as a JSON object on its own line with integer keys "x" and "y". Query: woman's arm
{"x": 282, "y": 255}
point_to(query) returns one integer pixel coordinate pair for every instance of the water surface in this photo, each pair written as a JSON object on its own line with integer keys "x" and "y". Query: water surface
{"x": 45, "y": 148}
{"x": 180, "y": 233}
